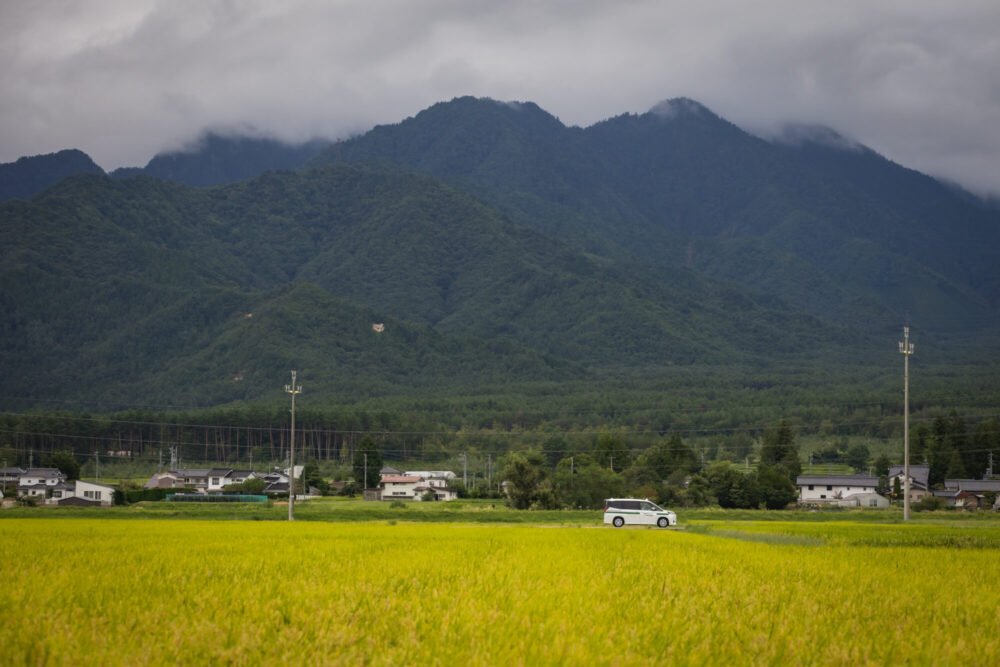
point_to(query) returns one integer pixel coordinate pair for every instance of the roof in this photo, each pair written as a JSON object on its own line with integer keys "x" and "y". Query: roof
{"x": 12, "y": 471}
{"x": 919, "y": 473}
{"x": 103, "y": 486}
{"x": 400, "y": 479}
{"x": 386, "y": 470}
{"x": 837, "y": 480}
{"x": 218, "y": 472}
{"x": 191, "y": 472}
{"x": 975, "y": 485}
{"x": 77, "y": 500}
{"x": 240, "y": 473}
{"x": 44, "y": 472}
{"x": 441, "y": 474}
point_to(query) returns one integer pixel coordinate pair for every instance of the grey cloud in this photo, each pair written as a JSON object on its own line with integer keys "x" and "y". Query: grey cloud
{"x": 915, "y": 80}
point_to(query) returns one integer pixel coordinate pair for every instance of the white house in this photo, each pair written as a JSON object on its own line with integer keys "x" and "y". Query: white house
{"x": 413, "y": 487}
{"x": 440, "y": 492}
{"x": 830, "y": 488}
{"x": 399, "y": 487}
{"x": 101, "y": 493}
{"x": 38, "y": 482}
{"x": 919, "y": 475}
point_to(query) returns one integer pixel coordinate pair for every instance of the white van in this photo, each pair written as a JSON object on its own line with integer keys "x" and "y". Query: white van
{"x": 620, "y": 511}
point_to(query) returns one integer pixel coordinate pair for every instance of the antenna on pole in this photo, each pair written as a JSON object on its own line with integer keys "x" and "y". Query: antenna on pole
{"x": 906, "y": 348}
{"x": 292, "y": 389}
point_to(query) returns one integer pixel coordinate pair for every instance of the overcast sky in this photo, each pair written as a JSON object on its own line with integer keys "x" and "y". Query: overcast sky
{"x": 918, "y": 81}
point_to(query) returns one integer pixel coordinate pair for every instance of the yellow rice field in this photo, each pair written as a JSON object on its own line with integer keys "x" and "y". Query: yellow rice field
{"x": 94, "y": 591}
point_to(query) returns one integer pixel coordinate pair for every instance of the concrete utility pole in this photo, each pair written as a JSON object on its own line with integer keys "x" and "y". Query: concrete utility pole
{"x": 906, "y": 347}
{"x": 292, "y": 389}
{"x": 465, "y": 470}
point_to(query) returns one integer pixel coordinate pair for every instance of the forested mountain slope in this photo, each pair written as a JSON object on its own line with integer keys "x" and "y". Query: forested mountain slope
{"x": 496, "y": 245}
{"x": 833, "y": 229}
{"x": 30, "y": 175}
{"x": 139, "y": 285}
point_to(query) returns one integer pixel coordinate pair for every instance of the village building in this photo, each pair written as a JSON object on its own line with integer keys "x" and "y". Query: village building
{"x": 919, "y": 475}
{"x": 840, "y": 490}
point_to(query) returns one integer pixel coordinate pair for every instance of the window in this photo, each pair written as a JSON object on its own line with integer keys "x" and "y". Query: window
{"x": 810, "y": 487}
{"x": 829, "y": 487}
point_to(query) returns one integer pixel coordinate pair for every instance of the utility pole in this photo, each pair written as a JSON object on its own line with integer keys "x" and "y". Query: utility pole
{"x": 292, "y": 389}
{"x": 364, "y": 482}
{"x": 906, "y": 347}
{"x": 97, "y": 466}
{"x": 465, "y": 470}
{"x": 612, "y": 459}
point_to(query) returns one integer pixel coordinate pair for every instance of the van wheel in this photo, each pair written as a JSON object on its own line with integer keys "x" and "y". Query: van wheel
{"x": 618, "y": 522}
{"x": 663, "y": 522}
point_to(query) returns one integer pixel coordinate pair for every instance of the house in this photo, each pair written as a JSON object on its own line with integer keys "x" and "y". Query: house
{"x": 37, "y": 482}
{"x": 11, "y": 475}
{"x": 192, "y": 478}
{"x": 219, "y": 478}
{"x": 413, "y": 487}
{"x": 62, "y": 490}
{"x": 201, "y": 480}
{"x": 164, "y": 480}
{"x": 440, "y": 492}
{"x": 830, "y": 488}
{"x": 919, "y": 475}
{"x": 957, "y": 498}
{"x": 399, "y": 487}
{"x": 978, "y": 487}
{"x": 101, "y": 493}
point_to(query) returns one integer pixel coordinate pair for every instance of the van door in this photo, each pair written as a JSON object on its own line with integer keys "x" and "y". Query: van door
{"x": 647, "y": 513}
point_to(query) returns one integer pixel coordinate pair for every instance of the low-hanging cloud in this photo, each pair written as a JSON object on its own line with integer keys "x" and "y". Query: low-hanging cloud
{"x": 122, "y": 80}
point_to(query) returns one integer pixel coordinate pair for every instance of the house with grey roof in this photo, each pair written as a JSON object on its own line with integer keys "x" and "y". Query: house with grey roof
{"x": 828, "y": 489}
{"x": 979, "y": 487}
{"x": 38, "y": 482}
{"x": 919, "y": 474}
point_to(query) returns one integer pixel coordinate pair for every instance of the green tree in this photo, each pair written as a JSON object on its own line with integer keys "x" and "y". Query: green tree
{"x": 367, "y": 458}
{"x": 776, "y": 490}
{"x": 731, "y": 488}
{"x": 586, "y": 487}
{"x": 778, "y": 448}
{"x": 65, "y": 462}
{"x": 857, "y": 457}
{"x": 523, "y": 477}
{"x": 882, "y": 464}
{"x": 612, "y": 452}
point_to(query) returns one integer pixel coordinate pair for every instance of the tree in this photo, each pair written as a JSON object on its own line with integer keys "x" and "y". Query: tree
{"x": 612, "y": 452}
{"x": 65, "y": 462}
{"x": 882, "y": 466}
{"x": 857, "y": 457}
{"x": 554, "y": 449}
{"x": 731, "y": 488}
{"x": 524, "y": 476}
{"x": 776, "y": 490}
{"x": 586, "y": 487}
{"x": 366, "y": 457}
{"x": 314, "y": 478}
{"x": 778, "y": 447}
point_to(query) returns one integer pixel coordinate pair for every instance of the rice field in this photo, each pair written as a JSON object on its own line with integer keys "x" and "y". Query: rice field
{"x": 247, "y": 593}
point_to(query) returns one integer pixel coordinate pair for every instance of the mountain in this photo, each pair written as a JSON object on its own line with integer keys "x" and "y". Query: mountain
{"x": 144, "y": 287}
{"x": 495, "y": 245}
{"x": 216, "y": 159}
{"x": 843, "y": 234}
{"x": 30, "y": 175}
